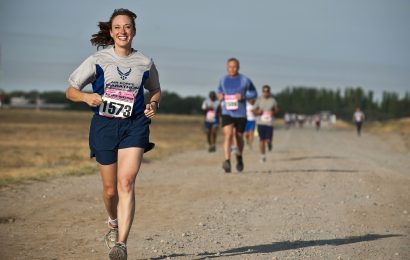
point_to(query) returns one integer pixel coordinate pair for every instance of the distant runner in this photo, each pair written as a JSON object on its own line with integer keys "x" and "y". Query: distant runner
{"x": 265, "y": 107}
{"x": 250, "y": 123}
{"x": 233, "y": 90}
{"x": 317, "y": 121}
{"x": 211, "y": 108}
{"x": 287, "y": 119}
{"x": 358, "y": 118}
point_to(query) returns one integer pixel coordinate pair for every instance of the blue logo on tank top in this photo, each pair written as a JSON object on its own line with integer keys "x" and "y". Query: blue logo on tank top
{"x": 123, "y": 75}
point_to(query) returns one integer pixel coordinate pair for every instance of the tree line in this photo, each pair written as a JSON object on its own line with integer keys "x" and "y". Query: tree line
{"x": 311, "y": 100}
{"x": 302, "y": 100}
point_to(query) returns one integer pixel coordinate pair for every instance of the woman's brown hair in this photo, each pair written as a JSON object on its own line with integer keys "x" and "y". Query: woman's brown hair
{"x": 103, "y": 37}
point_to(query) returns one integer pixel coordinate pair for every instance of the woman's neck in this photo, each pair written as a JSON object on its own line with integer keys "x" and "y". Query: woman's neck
{"x": 122, "y": 51}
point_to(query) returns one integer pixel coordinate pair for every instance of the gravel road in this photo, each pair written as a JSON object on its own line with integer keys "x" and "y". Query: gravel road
{"x": 320, "y": 195}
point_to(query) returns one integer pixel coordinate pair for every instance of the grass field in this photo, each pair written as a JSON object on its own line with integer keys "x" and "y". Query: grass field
{"x": 39, "y": 144}
{"x": 401, "y": 127}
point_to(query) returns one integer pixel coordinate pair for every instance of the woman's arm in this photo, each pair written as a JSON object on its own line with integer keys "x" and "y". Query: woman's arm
{"x": 76, "y": 95}
{"x": 151, "y": 108}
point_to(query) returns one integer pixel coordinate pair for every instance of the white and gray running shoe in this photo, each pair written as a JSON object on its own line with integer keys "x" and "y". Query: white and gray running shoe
{"x": 111, "y": 237}
{"x": 118, "y": 252}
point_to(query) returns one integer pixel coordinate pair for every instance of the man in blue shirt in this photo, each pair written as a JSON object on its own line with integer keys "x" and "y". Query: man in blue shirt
{"x": 233, "y": 91}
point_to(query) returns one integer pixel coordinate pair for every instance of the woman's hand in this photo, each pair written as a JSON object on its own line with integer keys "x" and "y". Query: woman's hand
{"x": 93, "y": 99}
{"x": 150, "y": 110}
{"x": 76, "y": 95}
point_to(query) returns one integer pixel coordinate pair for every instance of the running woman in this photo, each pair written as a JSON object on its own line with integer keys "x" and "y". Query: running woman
{"x": 119, "y": 130}
{"x": 265, "y": 108}
{"x": 211, "y": 108}
{"x": 250, "y": 123}
{"x": 358, "y": 118}
{"x": 233, "y": 90}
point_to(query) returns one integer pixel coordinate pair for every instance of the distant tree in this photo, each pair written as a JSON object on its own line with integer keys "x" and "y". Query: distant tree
{"x": 54, "y": 97}
{"x": 297, "y": 99}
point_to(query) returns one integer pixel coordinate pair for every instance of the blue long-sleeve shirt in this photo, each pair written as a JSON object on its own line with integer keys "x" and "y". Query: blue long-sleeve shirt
{"x": 232, "y": 85}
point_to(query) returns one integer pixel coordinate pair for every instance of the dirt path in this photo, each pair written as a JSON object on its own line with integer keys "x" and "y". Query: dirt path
{"x": 326, "y": 195}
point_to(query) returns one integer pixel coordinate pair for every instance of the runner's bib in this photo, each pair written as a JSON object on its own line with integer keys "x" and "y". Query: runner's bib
{"x": 266, "y": 117}
{"x": 231, "y": 102}
{"x": 210, "y": 116}
{"x": 117, "y": 103}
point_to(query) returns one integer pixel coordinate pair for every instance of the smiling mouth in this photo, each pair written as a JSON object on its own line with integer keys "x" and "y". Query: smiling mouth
{"x": 123, "y": 38}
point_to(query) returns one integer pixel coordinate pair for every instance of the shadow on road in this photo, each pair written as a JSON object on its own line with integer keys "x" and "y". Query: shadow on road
{"x": 280, "y": 246}
{"x": 304, "y": 170}
{"x": 312, "y": 157}
{"x": 288, "y": 245}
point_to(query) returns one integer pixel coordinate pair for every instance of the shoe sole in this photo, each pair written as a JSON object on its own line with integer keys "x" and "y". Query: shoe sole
{"x": 117, "y": 254}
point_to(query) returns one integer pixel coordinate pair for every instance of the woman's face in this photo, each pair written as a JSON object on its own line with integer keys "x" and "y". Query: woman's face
{"x": 122, "y": 31}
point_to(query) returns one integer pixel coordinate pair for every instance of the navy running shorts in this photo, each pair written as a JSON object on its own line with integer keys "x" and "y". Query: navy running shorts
{"x": 265, "y": 132}
{"x": 107, "y": 135}
{"x": 208, "y": 125}
{"x": 238, "y": 122}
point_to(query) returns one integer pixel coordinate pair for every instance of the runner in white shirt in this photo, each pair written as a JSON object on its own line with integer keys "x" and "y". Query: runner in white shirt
{"x": 250, "y": 123}
{"x": 358, "y": 118}
{"x": 211, "y": 107}
{"x": 119, "y": 131}
{"x": 265, "y": 109}
{"x": 287, "y": 119}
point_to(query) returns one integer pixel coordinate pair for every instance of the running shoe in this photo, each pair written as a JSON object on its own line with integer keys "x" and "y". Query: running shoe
{"x": 213, "y": 148}
{"x": 262, "y": 159}
{"x": 111, "y": 237}
{"x": 118, "y": 252}
{"x": 239, "y": 163}
{"x": 227, "y": 166}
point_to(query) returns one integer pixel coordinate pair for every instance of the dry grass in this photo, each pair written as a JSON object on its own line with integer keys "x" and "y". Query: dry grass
{"x": 401, "y": 127}
{"x": 35, "y": 145}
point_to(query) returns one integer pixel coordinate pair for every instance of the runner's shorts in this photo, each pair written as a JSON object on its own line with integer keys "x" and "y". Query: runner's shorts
{"x": 250, "y": 126}
{"x": 238, "y": 122}
{"x": 208, "y": 125}
{"x": 107, "y": 135}
{"x": 265, "y": 132}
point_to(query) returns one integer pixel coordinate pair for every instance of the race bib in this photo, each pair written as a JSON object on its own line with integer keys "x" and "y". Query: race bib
{"x": 117, "y": 103}
{"x": 210, "y": 116}
{"x": 231, "y": 102}
{"x": 266, "y": 117}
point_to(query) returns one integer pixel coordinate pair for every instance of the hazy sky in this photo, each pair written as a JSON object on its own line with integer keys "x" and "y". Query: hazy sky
{"x": 324, "y": 43}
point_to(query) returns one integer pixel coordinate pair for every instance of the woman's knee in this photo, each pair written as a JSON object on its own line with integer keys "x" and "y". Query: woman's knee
{"x": 110, "y": 191}
{"x": 126, "y": 185}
